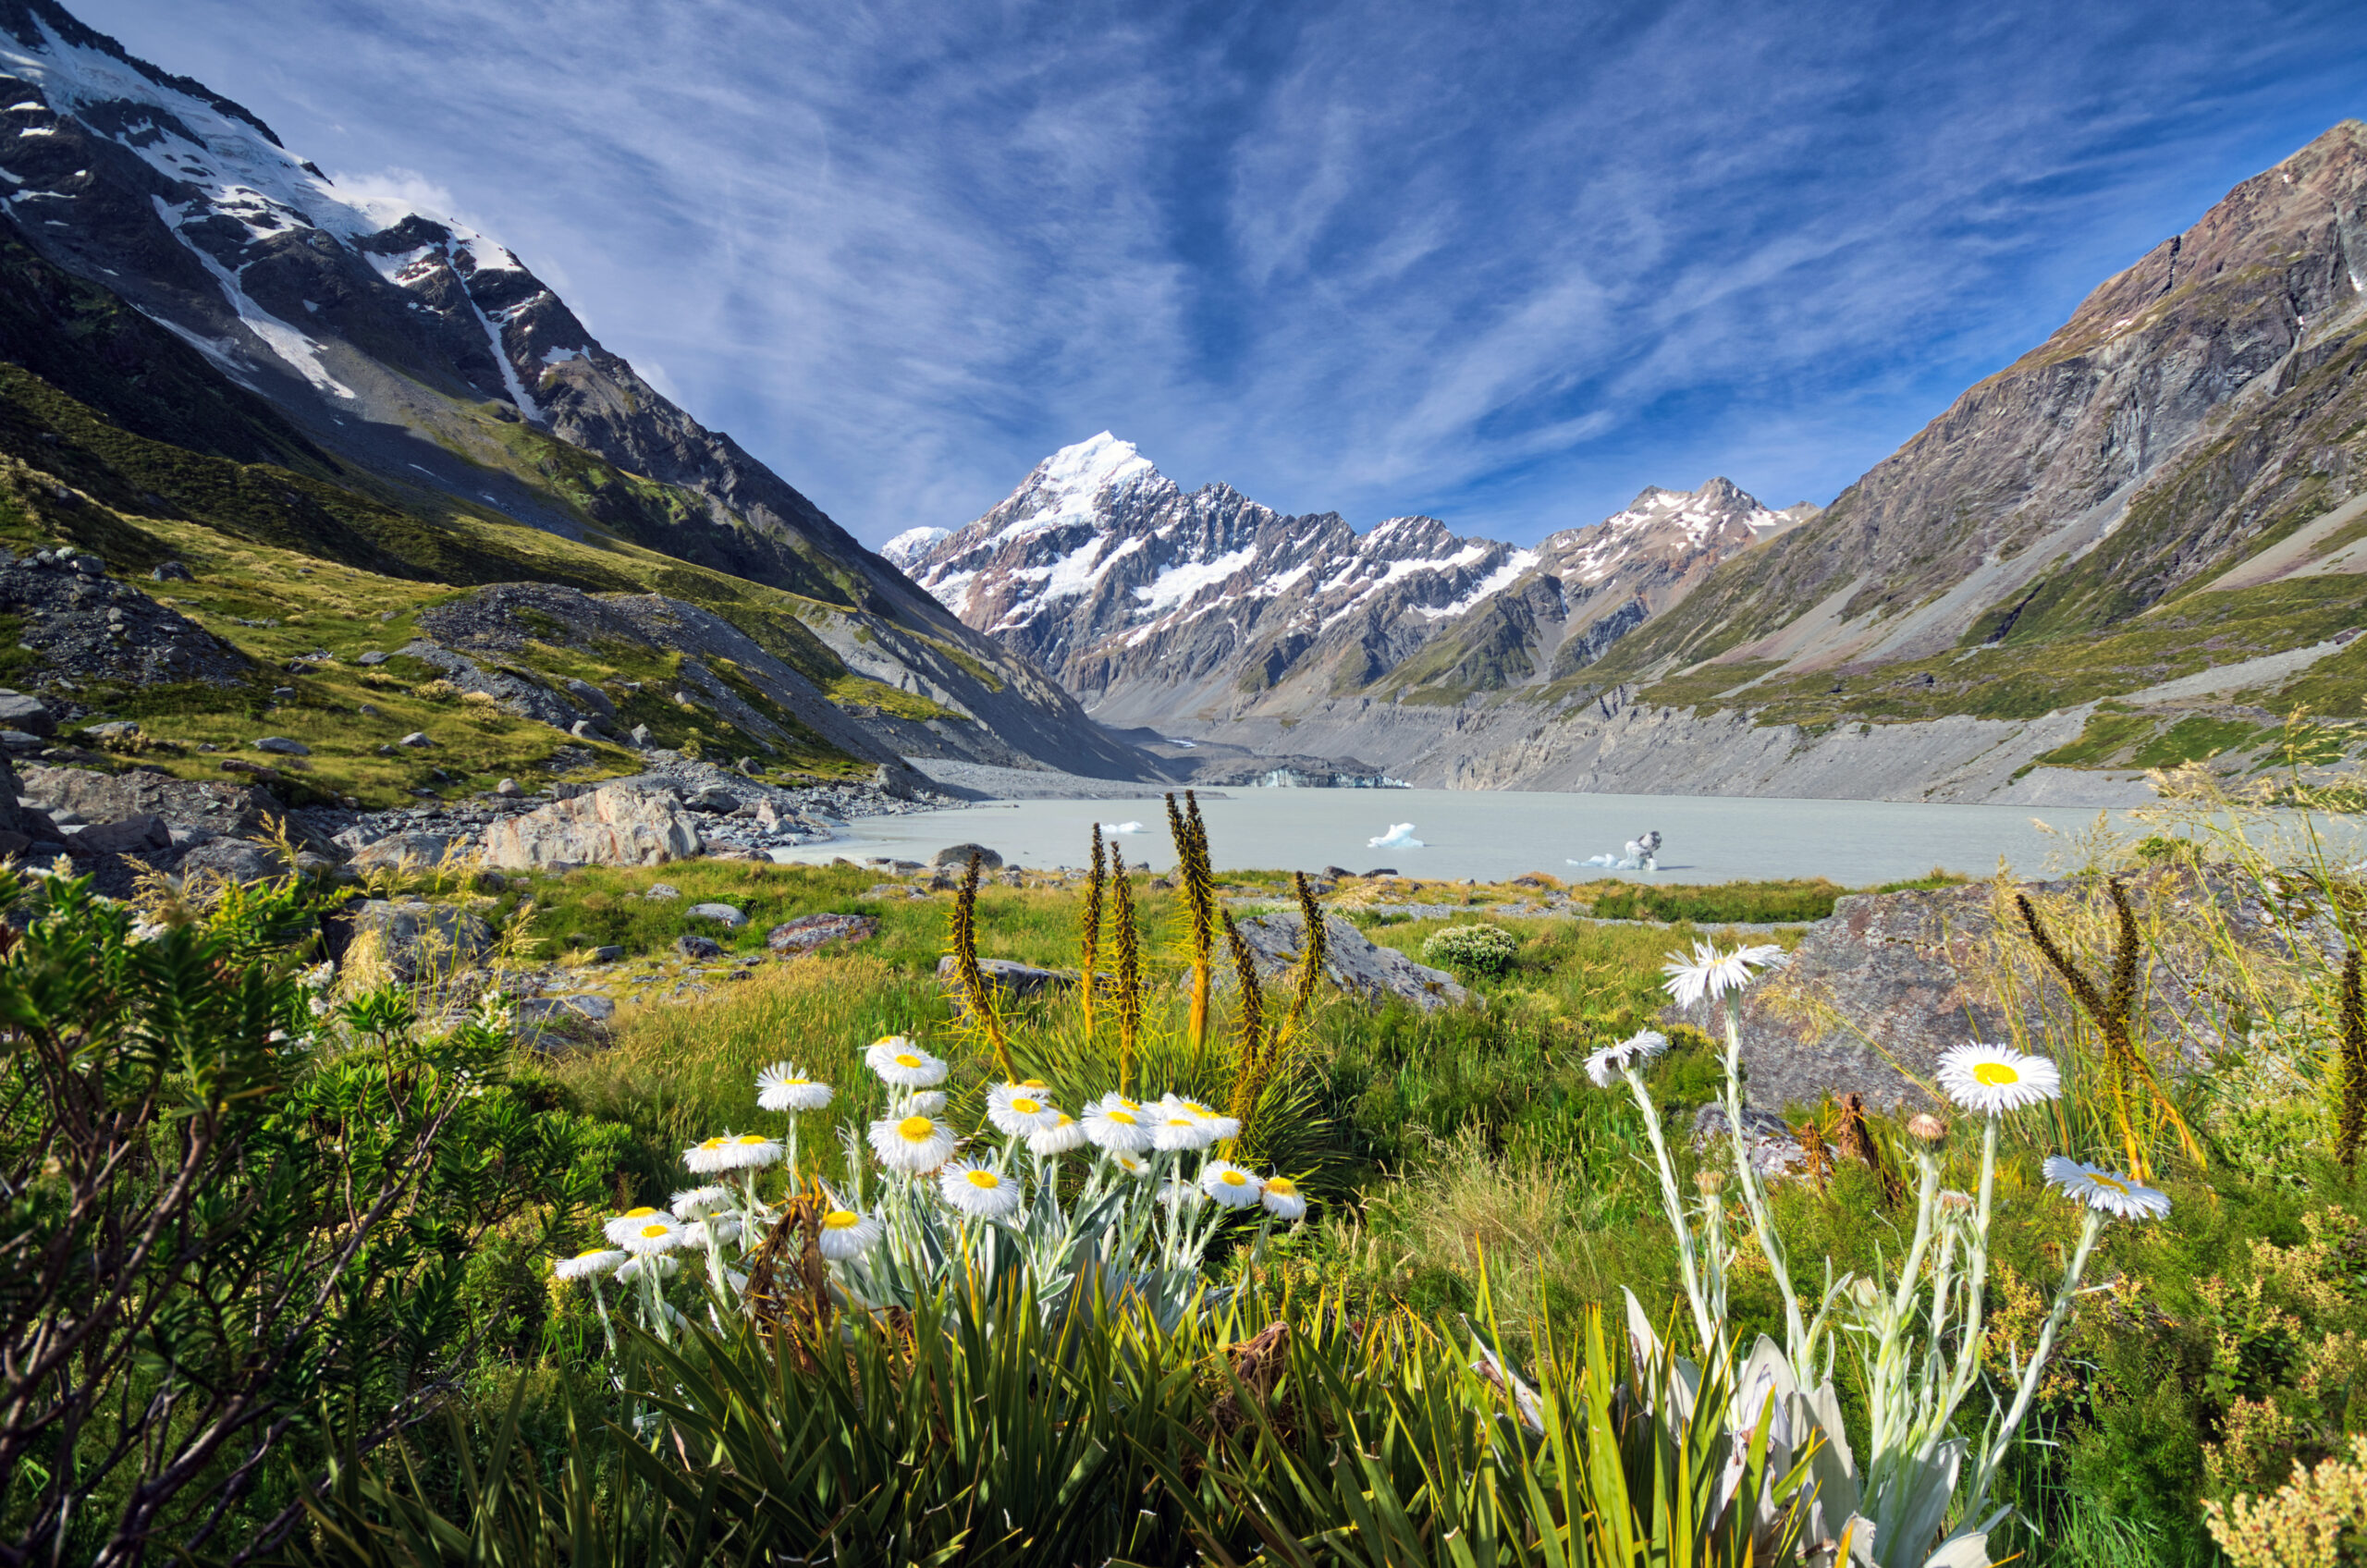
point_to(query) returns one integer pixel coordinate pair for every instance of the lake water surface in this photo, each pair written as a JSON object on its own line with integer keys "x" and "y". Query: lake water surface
{"x": 1490, "y": 836}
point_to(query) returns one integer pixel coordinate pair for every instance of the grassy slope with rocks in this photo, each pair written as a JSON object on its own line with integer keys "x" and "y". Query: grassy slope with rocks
{"x": 118, "y": 440}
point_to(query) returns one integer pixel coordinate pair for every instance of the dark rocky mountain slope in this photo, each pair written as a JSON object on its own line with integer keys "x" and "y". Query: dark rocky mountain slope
{"x": 427, "y": 374}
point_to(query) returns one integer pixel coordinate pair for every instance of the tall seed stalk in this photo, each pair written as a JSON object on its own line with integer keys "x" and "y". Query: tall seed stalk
{"x": 2353, "y": 1115}
{"x": 962, "y": 938}
{"x": 1254, "y": 1049}
{"x": 1089, "y": 938}
{"x": 1313, "y": 952}
{"x": 1130, "y": 976}
{"x": 2112, "y": 1006}
{"x": 1199, "y": 882}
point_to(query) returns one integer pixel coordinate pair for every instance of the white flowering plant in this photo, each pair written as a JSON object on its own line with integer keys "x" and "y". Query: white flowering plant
{"x": 1914, "y": 1492}
{"x": 1125, "y": 1199}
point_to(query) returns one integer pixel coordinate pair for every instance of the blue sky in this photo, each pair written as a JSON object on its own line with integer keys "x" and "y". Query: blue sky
{"x": 1507, "y": 264}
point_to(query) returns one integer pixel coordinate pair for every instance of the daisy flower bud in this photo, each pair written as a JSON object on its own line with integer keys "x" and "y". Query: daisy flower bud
{"x": 1928, "y": 1127}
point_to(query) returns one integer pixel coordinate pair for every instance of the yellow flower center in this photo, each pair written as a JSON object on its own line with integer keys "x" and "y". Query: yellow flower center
{"x": 590, "y": 1252}
{"x": 839, "y": 1220}
{"x": 655, "y": 1229}
{"x": 916, "y": 1129}
{"x": 748, "y": 1140}
{"x": 1031, "y": 1082}
{"x": 1281, "y": 1185}
{"x": 1025, "y": 1107}
{"x": 1994, "y": 1073}
{"x": 1233, "y": 1179}
{"x": 2101, "y": 1180}
{"x": 637, "y": 1213}
{"x": 985, "y": 1180}
{"x": 1122, "y": 1116}
{"x": 712, "y": 1144}
{"x": 906, "y": 1059}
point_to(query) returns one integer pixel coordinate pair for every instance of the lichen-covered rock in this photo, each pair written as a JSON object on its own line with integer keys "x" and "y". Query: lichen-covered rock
{"x": 794, "y": 938}
{"x": 413, "y": 851}
{"x": 608, "y": 827}
{"x": 1352, "y": 961}
{"x": 1008, "y": 978}
{"x": 233, "y": 810}
{"x": 233, "y": 860}
{"x": 412, "y": 941}
{"x": 958, "y": 856}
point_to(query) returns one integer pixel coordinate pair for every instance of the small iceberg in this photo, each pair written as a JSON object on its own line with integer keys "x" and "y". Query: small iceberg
{"x": 1121, "y": 828}
{"x": 1399, "y": 837}
{"x": 1641, "y": 854}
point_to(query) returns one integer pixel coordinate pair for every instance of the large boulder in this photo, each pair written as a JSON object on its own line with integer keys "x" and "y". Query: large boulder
{"x": 412, "y": 941}
{"x": 1351, "y": 960}
{"x": 958, "y": 857}
{"x": 28, "y": 714}
{"x": 413, "y": 851}
{"x": 130, "y": 835}
{"x": 1008, "y": 978}
{"x": 233, "y": 860}
{"x": 611, "y": 826}
{"x": 1874, "y": 994}
{"x": 235, "y": 811}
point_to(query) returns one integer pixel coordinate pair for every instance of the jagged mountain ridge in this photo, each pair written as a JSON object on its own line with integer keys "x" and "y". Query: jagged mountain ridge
{"x": 1158, "y": 606}
{"x": 430, "y": 358}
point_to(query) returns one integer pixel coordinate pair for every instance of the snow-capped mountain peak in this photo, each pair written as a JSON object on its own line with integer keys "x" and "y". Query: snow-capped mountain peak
{"x": 910, "y": 546}
{"x": 1135, "y": 592}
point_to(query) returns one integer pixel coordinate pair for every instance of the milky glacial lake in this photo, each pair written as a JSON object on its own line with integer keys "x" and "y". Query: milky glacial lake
{"x": 1493, "y": 836}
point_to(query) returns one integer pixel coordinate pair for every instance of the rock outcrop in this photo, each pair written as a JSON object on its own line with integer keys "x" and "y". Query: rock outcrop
{"x": 611, "y": 826}
{"x": 1352, "y": 961}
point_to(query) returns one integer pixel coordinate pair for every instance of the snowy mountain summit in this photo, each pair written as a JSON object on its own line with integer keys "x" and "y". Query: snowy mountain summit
{"x": 1152, "y": 603}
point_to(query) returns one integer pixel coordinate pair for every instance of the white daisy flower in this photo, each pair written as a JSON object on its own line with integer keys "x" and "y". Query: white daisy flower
{"x": 912, "y": 1143}
{"x": 1113, "y": 1100}
{"x": 1017, "y": 1111}
{"x": 1133, "y": 1165}
{"x": 1993, "y": 1079}
{"x": 1061, "y": 1138}
{"x": 904, "y": 1064}
{"x": 2109, "y": 1191}
{"x": 1711, "y": 973}
{"x": 1181, "y": 1194}
{"x": 977, "y": 1192}
{"x": 1119, "y": 1129}
{"x": 700, "y": 1201}
{"x": 748, "y": 1151}
{"x": 625, "y": 1224}
{"x": 1175, "y": 1130}
{"x": 1608, "y": 1062}
{"x": 708, "y": 1234}
{"x": 1283, "y": 1199}
{"x": 590, "y": 1264}
{"x": 1230, "y": 1184}
{"x": 847, "y": 1235}
{"x": 663, "y": 1267}
{"x": 1220, "y": 1126}
{"x": 653, "y": 1235}
{"x": 782, "y": 1087}
{"x": 923, "y": 1102}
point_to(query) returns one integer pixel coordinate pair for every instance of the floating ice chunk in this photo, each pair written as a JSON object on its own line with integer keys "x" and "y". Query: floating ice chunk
{"x": 1399, "y": 837}
{"x": 1121, "y": 828}
{"x": 1642, "y": 854}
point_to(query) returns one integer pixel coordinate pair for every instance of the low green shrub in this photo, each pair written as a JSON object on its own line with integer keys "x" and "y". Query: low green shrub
{"x": 1472, "y": 949}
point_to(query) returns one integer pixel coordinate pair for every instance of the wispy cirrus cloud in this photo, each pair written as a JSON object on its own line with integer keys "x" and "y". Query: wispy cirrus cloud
{"x": 1504, "y": 263}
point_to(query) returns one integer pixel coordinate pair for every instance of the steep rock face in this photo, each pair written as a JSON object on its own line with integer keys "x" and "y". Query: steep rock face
{"x": 369, "y": 325}
{"x": 1155, "y": 605}
{"x": 2014, "y": 503}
